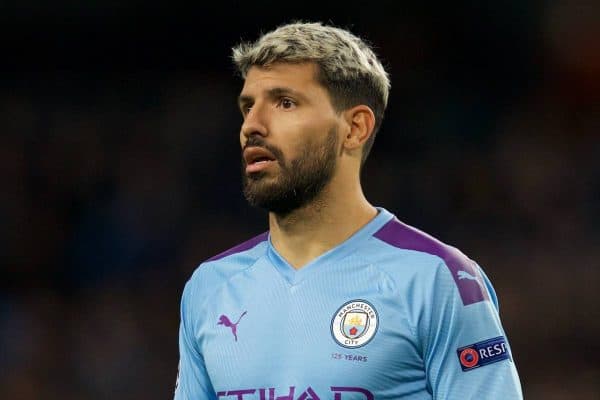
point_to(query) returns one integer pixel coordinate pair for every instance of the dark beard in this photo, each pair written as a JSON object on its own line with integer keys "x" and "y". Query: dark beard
{"x": 299, "y": 182}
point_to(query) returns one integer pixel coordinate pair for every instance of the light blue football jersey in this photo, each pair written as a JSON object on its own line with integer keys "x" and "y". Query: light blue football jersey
{"x": 391, "y": 313}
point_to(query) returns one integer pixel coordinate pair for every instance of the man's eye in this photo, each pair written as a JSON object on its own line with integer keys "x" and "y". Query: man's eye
{"x": 246, "y": 110}
{"x": 286, "y": 103}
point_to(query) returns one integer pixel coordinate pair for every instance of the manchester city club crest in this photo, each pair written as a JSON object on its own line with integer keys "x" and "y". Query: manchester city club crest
{"x": 354, "y": 324}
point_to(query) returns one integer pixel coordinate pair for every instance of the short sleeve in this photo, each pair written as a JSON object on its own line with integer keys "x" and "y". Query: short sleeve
{"x": 466, "y": 352}
{"x": 192, "y": 379}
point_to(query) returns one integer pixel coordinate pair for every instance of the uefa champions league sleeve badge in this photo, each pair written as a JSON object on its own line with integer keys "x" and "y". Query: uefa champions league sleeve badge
{"x": 354, "y": 324}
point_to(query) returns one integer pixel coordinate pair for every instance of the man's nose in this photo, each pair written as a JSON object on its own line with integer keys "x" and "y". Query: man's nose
{"x": 254, "y": 122}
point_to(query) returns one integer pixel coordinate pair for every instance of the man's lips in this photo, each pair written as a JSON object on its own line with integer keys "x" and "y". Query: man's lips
{"x": 257, "y": 158}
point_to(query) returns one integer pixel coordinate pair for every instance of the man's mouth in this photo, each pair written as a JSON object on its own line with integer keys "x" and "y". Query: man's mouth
{"x": 257, "y": 159}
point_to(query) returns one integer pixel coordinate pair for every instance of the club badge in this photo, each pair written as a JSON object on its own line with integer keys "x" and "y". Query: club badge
{"x": 354, "y": 324}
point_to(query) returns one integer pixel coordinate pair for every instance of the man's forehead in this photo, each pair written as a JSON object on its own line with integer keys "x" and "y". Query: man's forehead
{"x": 292, "y": 75}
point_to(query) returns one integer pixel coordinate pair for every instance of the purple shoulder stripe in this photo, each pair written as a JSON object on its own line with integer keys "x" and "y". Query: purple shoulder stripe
{"x": 247, "y": 245}
{"x": 467, "y": 277}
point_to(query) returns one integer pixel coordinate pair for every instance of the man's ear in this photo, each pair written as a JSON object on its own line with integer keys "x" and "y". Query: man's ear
{"x": 361, "y": 121}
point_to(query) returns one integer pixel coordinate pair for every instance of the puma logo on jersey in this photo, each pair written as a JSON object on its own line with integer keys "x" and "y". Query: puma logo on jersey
{"x": 223, "y": 320}
{"x": 465, "y": 275}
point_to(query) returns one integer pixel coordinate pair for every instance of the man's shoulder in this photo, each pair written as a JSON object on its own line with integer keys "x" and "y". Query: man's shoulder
{"x": 244, "y": 248}
{"x": 403, "y": 237}
{"x": 229, "y": 262}
{"x": 426, "y": 255}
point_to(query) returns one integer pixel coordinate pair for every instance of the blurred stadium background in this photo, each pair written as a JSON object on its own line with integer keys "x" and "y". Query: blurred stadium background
{"x": 119, "y": 165}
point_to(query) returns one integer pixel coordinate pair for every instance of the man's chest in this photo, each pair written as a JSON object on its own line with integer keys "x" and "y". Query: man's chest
{"x": 332, "y": 338}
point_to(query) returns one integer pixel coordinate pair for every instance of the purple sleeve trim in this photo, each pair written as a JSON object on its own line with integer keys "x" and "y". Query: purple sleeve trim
{"x": 247, "y": 245}
{"x": 466, "y": 275}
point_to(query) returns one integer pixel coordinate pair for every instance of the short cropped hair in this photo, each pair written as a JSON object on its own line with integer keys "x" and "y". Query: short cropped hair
{"x": 348, "y": 67}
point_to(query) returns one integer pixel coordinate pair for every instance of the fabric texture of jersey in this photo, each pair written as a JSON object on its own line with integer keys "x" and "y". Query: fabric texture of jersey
{"x": 391, "y": 313}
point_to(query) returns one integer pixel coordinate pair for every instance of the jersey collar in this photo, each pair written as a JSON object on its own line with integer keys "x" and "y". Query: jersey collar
{"x": 295, "y": 276}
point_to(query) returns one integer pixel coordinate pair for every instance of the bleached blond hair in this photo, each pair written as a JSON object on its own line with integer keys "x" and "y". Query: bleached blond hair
{"x": 347, "y": 66}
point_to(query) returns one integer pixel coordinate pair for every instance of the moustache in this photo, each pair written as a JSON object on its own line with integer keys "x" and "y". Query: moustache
{"x": 257, "y": 141}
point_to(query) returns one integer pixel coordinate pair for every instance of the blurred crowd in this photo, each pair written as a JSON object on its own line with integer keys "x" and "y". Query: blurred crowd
{"x": 116, "y": 186}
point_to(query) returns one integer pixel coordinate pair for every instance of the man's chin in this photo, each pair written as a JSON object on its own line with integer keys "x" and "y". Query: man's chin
{"x": 256, "y": 176}
{"x": 266, "y": 195}
{"x": 278, "y": 207}
{"x": 258, "y": 187}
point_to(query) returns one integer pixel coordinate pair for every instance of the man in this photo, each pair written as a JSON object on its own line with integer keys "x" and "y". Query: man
{"x": 339, "y": 300}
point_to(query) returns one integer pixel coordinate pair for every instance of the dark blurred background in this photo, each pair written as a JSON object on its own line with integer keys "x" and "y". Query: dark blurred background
{"x": 119, "y": 168}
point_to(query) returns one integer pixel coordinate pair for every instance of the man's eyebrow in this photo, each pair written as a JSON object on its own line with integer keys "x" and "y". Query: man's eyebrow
{"x": 277, "y": 92}
{"x": 272, "y": 93}
{"x": 244, "y": 99}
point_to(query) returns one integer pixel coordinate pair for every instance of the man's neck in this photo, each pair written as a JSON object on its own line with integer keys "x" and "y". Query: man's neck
{"x": 312, "y": 230}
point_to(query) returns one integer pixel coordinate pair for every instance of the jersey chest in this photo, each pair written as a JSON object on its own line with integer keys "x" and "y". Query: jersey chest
{"x": 331, "y": 335}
